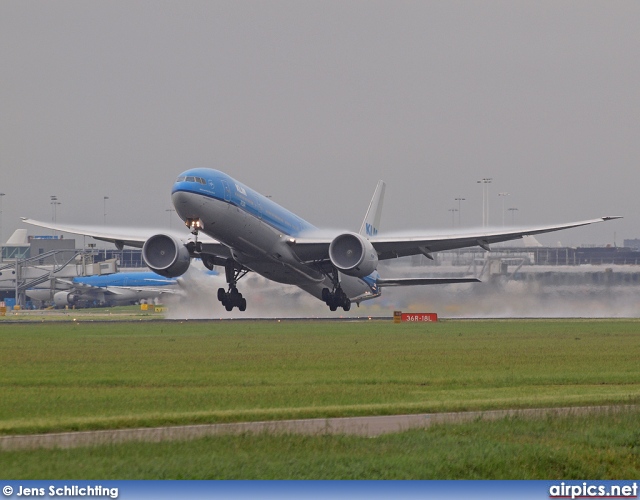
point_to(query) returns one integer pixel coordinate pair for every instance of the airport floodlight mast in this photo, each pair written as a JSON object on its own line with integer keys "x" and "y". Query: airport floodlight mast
{"x": 453, "y": 216}
{"x": 485, "y": 199}
{"x": 1, "y": 239}
{"x": 104, "y": 199}
{"x": 54, "y": 207}
{"x": 460, "y": 200}
{"x": 513, "y": 211}
{"x": 170, "y": 210}
{"x": 503, "y": 196}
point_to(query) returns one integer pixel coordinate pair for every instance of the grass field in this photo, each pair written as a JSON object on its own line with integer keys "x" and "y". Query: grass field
{"x": 117, "y": 313}
{"x": 80, "y": 375}
{"x": 603, "y": 446}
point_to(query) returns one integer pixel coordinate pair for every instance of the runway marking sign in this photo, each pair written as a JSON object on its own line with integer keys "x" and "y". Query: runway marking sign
{"x": 400, "y": 317}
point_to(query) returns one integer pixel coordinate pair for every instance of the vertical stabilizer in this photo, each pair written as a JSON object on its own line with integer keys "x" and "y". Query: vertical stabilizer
{"x": 371, "y": 222}
{"x": 18, "y": 238}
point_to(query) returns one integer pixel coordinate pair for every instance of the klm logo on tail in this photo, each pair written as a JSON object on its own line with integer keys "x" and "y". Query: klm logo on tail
{"x": 371, "y": 221}
{"x": 370, "y": 230}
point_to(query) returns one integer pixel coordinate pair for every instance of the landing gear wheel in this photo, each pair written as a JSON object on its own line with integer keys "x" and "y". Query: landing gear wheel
{"x": 233, "y": 298}
{"x": 336, "y": 299}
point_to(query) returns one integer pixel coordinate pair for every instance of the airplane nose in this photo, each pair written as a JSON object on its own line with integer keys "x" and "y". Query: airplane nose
{"x": 183, "y": 205}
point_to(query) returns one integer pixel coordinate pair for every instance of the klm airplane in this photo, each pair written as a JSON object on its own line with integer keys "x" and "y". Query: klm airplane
{"x": 109, "y": 289}
{"x": 235, "y": 227}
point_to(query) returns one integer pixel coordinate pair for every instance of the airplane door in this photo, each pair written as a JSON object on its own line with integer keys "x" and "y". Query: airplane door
{"x": 227, "y": 191}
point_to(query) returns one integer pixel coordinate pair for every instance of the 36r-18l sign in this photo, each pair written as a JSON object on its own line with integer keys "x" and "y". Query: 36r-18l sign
{"x": 419, "y": 317}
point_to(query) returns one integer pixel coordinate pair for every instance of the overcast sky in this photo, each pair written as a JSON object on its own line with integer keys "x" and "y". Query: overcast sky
{"x": 313, "y": 102}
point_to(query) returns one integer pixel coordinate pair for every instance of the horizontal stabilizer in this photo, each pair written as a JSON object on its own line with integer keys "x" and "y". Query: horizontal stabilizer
{"x": 424, "y": 281}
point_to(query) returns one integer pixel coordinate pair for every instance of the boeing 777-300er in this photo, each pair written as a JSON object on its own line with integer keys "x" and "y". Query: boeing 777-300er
{"x": 250, "y": 232}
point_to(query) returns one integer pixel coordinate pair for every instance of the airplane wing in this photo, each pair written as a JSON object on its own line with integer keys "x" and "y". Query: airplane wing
{"x": 423, "y": 281}
{"x": 134, "y": 237}
{"x": 119, "y": 236}
{"x": 119, "y": 290}
{"x": 88, "y": 289}
{"x": 389, "y": 247}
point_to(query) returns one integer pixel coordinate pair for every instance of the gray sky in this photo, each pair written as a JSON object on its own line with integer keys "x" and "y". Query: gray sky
{"x": 313, "y": 102}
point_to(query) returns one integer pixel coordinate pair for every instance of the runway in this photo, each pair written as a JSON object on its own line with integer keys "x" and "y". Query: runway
{"x": 360, "y": 426}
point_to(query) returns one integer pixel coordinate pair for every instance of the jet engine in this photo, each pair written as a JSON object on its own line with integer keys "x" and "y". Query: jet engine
{"x": 63, "y": 299}
{"x": 353, "y": 255}
{"x": 166, "y": 255}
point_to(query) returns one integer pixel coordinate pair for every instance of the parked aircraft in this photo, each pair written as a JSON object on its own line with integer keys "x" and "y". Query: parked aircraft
{"x": 253, "y": 233}
{"x": 112, "y": 289}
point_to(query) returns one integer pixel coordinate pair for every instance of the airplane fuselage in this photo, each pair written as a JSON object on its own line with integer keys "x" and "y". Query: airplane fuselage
{"x": 257, "y": 231}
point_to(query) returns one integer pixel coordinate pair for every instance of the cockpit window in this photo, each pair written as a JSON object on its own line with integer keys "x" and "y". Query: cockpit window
{"x": 199, "y": 180}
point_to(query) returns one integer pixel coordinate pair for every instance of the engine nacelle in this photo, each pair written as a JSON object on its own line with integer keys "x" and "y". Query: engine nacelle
{"x": 353, "y": 255}
{"x": 166, "y": 256}
{"x": 63, "y": 299}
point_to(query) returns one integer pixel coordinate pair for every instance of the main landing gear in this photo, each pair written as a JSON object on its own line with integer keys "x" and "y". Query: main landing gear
{"x": 232, "y": 297}
{"x": 336, "y": 299}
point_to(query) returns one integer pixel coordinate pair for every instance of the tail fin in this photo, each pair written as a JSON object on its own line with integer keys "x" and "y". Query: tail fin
{"x": 371, "y": 222}
{"x": 18, "y": 238}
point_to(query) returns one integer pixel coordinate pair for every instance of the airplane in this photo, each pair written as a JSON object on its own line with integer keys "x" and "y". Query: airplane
{"x": 115, "y": 289}
{"x": 109, "y": 289}
{"x": 245, "y": 231}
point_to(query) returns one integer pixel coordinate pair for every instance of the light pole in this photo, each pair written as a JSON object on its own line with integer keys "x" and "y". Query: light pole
{"x": 503, "y": 196}
{"x": 54, "y": 206}
{"x": 513, "y": 214}
{"x": 460, "y": 200}
{"x": 485, "y": 199}
{"x": 54, "y": 209}
{"x": 104, "y": 199}
{"x": 453, "y": 216}
{"x": 170, "y": 210}
{"x": 1, "y": 239}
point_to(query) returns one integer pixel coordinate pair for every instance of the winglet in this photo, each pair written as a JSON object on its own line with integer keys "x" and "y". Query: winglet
{"x": 371, "y": 222}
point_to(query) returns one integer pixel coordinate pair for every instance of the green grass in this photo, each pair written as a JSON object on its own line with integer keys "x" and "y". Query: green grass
{"x": 117, "y": 313}
{"x": 602, "y": 446}
{"x": 77, "y": 375}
